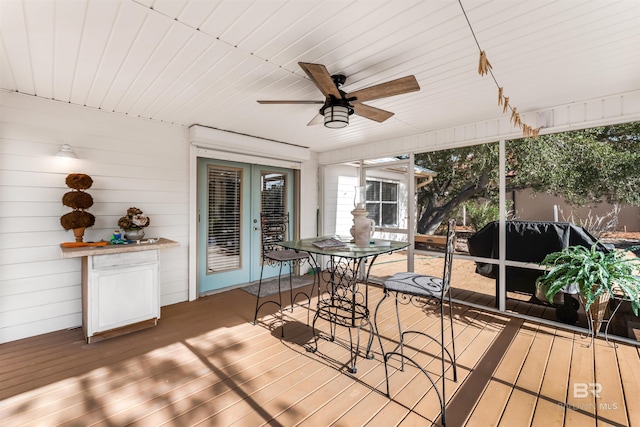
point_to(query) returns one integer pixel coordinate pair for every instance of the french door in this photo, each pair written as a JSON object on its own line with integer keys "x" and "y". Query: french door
{"x": 230, "y": 198}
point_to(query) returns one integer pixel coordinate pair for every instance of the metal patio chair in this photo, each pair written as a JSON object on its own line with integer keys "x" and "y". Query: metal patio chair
{"x": 419, "y": 290}
{"x": 274, "y": 231}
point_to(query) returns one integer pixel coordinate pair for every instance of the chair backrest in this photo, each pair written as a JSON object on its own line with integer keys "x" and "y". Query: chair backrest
{"x": 448, "y": 256}
{"x": 274, "y": 230}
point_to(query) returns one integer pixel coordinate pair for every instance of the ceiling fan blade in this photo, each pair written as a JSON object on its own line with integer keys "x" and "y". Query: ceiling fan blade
{"x": 383, "y": 90}
{"x": 321, "y": 78}
{"x": 290, "y": 102}
{"x": 317, "y": 120}
{"x": 371, "y": 113}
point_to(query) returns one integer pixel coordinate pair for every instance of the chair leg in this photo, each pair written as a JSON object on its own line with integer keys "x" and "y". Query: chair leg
{"x": 313, "y": 285}
{"x": 291, "y": 286}
{"x": 453, "y": 341}
{"x": 442, "y": 352}
{"x": 279, "y": 303}
{"x": 280, "y": 300}
{"x": 369, "y": 353}
{"x": 313, "y": 334}
{"x": 384, "y": 355}
{"x": 400, "y": 336}
{"x": 353, "y": 351}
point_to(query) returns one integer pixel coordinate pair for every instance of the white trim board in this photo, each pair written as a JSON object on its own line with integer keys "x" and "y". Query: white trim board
{"x": 234, "y": 143}
{"x": 245, "y": 158}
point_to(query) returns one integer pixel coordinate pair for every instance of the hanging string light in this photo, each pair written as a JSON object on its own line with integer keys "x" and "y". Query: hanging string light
{"x": 484, "y": 67}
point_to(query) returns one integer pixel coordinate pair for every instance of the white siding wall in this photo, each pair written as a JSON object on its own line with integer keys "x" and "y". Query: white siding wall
{"x": 339, "y": 191}
{"x": 309, "y": 192}
{"x": 133, "y": 162}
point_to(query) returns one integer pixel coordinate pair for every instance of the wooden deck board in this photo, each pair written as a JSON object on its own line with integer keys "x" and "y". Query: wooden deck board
{"x": 522, "y": 402}
{"x": 611, "y": 408}
{"x": 580, "y": 410}
{"x": 469, "y": 343}
{"x": 496, "y": 395}
{"x": 629, "y": 364}
{"x": 206, "y": 364}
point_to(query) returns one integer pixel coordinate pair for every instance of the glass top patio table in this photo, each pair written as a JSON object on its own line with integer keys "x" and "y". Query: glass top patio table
{"x": 345, "y": 299}
{"x": 351, "y": 250}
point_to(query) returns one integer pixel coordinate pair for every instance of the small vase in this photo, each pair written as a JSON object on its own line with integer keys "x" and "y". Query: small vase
{"x": 361, "y": 227}
{"x": 78, "y": 233}
{"x": 134, "y": 234}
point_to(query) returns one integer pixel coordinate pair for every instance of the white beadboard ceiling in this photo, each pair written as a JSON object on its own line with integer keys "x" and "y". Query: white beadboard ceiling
{"x": 207, "y": 62}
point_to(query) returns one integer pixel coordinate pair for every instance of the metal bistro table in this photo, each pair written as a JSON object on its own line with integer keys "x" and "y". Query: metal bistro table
{"x": 345, "y": 298}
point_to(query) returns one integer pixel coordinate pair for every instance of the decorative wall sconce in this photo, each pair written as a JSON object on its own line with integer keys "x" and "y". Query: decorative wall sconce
{"x": 65, "y": 150}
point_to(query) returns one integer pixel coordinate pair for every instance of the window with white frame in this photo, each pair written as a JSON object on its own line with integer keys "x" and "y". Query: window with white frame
{"x": 382, "y": 202}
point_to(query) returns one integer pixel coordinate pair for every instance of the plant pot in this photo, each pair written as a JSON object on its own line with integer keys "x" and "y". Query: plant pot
{"x": 541, "y": 296}
{"x": 79, "y": 233}
{"x": 597, "y": 311}
{"x": 134, "y": 234}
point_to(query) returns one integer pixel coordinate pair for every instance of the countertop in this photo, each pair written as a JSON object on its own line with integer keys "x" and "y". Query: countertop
{"x": 160, "y": 243}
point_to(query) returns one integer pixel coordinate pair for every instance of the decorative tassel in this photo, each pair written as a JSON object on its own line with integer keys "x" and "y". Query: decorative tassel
{"x": 527, "y": 131}
{"x": 484, "y": 65}
{"x": 515, "y": 117}
{"x": 506, "y": 104}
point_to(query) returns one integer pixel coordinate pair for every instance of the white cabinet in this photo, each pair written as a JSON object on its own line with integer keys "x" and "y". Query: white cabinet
{"x": 120, "y": 293}
{"x": 120, "y": 286}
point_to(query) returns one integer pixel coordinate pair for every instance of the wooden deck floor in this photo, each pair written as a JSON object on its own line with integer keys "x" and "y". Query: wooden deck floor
{"x": 467, "y": 285}
{"x": 206, "y": 364}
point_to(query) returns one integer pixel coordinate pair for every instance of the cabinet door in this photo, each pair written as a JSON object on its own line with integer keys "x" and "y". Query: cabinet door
{"x": 124, "y": 295}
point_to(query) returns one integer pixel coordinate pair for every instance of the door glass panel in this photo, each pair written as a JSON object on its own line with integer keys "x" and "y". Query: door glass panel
{"x": 224, "y": 219}
{"x": 273, "y": 193}
{"x": 273, "y": 201}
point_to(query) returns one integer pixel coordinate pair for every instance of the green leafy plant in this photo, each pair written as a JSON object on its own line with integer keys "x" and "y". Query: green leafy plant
{"x": 481, "y": 213}
{"x": 595, "y": 272}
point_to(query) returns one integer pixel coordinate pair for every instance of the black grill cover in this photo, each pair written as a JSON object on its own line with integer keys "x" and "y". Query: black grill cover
{"x": 527, "y": 241}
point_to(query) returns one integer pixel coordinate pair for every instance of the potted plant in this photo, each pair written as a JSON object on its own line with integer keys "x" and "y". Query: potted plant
{"x": 79, "y": 201}
{"x": 133, "y": 223}
{"x": 597, "y": 274}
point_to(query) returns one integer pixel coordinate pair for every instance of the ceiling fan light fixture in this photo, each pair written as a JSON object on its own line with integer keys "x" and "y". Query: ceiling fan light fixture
{"x": 336, "y": 116}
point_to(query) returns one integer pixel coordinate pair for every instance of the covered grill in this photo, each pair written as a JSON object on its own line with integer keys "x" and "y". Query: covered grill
{"x": 527, "y": 241}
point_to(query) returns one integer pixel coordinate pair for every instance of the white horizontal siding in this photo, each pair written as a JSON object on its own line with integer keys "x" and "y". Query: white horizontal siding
{"x": 133, "y": 162}
{"x": 338, "y": 197}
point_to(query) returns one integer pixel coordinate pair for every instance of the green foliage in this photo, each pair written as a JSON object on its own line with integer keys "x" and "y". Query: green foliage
{"x": 594, "y": 272}
{"x": 481, "y": 213}
{"x": 586, "y": 166}
{"x": 462, "y": 174}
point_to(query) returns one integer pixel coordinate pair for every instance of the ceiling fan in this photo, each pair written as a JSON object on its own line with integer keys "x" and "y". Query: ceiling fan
{"x": 338, "y": 105}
